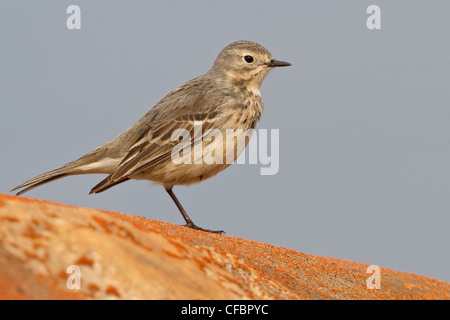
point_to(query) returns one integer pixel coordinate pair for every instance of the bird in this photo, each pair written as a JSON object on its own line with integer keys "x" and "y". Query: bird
{"x": 227, "y": 97}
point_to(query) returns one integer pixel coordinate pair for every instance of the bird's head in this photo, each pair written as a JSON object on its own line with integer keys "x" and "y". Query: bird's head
{"x": 245, "y": 64}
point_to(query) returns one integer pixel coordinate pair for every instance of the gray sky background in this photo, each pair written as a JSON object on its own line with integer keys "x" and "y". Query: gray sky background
{"x": 363, "y": 117}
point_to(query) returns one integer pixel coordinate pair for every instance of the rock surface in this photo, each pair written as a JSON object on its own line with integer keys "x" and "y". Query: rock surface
{"x": 129, "y": 257}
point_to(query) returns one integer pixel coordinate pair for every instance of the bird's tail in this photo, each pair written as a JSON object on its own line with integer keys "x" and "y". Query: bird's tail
{"x": 96, "y": 161}
{"x": 43, "y": 179}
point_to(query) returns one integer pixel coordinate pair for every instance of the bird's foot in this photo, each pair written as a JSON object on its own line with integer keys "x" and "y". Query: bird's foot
{"x": 194, "y": 226}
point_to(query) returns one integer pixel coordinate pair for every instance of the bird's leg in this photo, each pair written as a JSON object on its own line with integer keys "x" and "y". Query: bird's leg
{"x": 189, "y": 222}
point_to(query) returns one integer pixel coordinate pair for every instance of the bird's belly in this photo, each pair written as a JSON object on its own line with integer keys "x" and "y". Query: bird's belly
{"x": 200, "y": 161}
{"x": 181, "y": 174}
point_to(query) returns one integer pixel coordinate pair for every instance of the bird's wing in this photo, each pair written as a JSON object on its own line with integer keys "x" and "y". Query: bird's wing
{"x": 155, "y": 144}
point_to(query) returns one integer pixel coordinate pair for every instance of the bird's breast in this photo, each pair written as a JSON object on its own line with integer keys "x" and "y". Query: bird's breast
{"x": 249, "y": 113}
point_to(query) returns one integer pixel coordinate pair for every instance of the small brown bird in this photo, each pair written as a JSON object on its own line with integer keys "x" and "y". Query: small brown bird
{"x": 226, "y": 98}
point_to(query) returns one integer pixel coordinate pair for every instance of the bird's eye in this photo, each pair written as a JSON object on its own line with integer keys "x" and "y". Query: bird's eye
{"x": 248, "y": 59}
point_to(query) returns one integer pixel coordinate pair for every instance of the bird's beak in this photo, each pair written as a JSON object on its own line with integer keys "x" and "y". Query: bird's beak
{"x": 276, "y": 63}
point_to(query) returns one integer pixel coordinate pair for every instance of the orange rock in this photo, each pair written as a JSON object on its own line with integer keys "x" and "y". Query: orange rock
{"x": 129, "y": 257}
